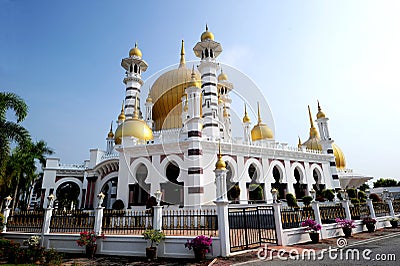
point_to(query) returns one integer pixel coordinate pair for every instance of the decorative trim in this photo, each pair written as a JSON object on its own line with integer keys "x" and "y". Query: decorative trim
{"x": 195, "y": 170}
{"x": 194, "y": 133}
{"x": 195, "y": 190}
{"x": 208, "y": 84}
{"x": 208, "y": 75}
{"x": 195, "y": 152}
{"x": 210, "y": 125}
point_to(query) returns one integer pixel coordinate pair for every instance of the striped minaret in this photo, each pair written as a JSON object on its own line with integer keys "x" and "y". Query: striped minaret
{"x": 194, "y": 184}
{"x": 134, "y": 66}
{"x": 208, "y": 50}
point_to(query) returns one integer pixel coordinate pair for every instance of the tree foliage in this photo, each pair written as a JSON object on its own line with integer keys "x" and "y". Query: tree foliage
{"x": 388, "y": 182}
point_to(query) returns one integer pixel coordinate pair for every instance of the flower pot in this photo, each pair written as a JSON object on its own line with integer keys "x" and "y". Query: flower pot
{"x": 370, "y": 227}
{"x": 346, "y": 231}
{"x": 199, "y": 254}
{"x": 151, "y": 253}
{"x": 314, "y": 237}
{"x": 394, "y": 224}
{"x": 91, "y": 250}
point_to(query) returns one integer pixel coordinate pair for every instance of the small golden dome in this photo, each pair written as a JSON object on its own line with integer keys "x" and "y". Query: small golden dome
{"x": 261, "y": 130}
{"x": 207, "y": 35}
{"x": 194, "y": 82}
{"x": 222, "y": 76}
{"x": 133, "y": 128}
{"x": 299, "y": 145}
{"x": 220, "y": 164}
{"x": 121, "y": 116}
{"x": 246, "y": 118}
{"x": 320, "y": 114}
{"x": 110, "y": 133}
{"x": 149, "y": 99}
{"x": 135, "y": 52}
{"x": 339, "y": 157}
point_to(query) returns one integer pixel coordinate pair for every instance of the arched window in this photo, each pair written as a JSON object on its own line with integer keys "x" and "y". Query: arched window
{"x": 109, "y": 189}
{"x": 211, "y": 53}
{"x": 281, "y": 187}
{"x": 130, "y": 68}
{"x": 299, "y": 188}
{"x": 255, "y": 190}
{"x": 135, "y": 68}
{"x": 67, "y": 196}
{"x": 206, "y": 53}
{"x": 318, "y": 187}
{"x": 172, "y": 190}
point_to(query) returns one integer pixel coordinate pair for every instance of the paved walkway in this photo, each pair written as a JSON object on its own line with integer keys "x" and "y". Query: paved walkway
{"x": 240, "y": 259}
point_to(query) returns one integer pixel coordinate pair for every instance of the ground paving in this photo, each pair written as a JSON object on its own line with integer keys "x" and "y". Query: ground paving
{"x": 239, "y": 259}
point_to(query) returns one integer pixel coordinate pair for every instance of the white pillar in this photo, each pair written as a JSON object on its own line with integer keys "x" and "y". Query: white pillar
{"x": 317, "y": 215}
{"x": 6, "y": 213}
{"x": 390, "y": 203}
{"x": 98, "y": 220}
{"x": 157, "y": 218}
{"x": 278, "y": 224}
{"x": 371, "y": 208}
{"x": 346, "y": 206}
{"x": 223, "y": 226}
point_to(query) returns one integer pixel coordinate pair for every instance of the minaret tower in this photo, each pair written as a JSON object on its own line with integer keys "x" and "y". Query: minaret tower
{"x": 224, "y": 103}
{"x": 110, "y": 141}
{"x": 195, "y": 180}
{"x": 208, "y": 50}
{"x": 220, "y": 177}
{"x": 149, "y": 111}
{"x": 246, "y": 127}
{"x": 134, "y": 66}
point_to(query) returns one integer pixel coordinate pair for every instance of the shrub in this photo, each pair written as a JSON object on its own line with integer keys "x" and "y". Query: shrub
{"x": 200, "y": 243}
{"x": 312, "y": 226}
{"x": 53, "y": 257}
{"x": 352, "y": 193}
{"x": 369, "y": 220}
{"x": 354, "y": 201}
{"x": 87, "y": 238}
{"x": 255, "y": 192}
{"x": 291, "y": 200}
{"x": 361, "y": 195}
{"x": 328, "y": 194}
{"x": 307, "y": 200}
{"x": 154, "y": 236}
{"x": 234, "y": 192}
{"x": 375, "y": 197}
{"x": 344, "y": 223}
{"x": 118, "y": 205}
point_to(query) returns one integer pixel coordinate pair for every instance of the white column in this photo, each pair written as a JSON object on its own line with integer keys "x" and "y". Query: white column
{"x": 371, "y": 208}
{"x": 223, "y": 226}
{"x": 346, "y": 206}
{"x": 98, "y": 220}
{"x": 157, "y": 218}
{"x": 317, "y": 215}
{"x": 278, "y": 224}
{"x": 390, "y": 203}
{"x": 6, "y": 213}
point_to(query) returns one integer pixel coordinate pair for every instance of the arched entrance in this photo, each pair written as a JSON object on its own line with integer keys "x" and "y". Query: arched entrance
{"x": 318, "y": 187}
{"x": 109, "y": 189}
{"x": 139, "y": 192}
{"x": 255, "y": 190}
{"x": 173, "y": 192}
{"x": 232, "y": 188}
{"x": 300, "y": 189}
{"x": 67, "y": 196}
{"x": 281, "y": 187}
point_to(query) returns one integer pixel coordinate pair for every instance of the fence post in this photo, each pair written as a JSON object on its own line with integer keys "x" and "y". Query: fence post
{"x": 6, "y": 213}
{"x": 98, "y": 220}
{"x": 223, "y": 226}
{"x": 371, "y": 208}
{"x": 390, "y": 204}
{"x": 317, "y": 214}
{"x": 278, "y": 224}
{"x": 157, "y": 217}
{"x": 346, "y": 206}
{"x": 47, "y": 220}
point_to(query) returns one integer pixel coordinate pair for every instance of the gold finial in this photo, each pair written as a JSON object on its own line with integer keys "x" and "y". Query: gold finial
{"x": 149, "y": 99}
{"x": 183, "y": 61}
{"x": 259, "y": 115}
{"x": 220, "y": 165}
{"x": 111, "y": 134}
{"x": 320, "y": 114}
{"x": 206, "y": 27}
{"x": 246, "y": 118}
{"x": 225, "y": 113}
{"x": 193, "y": 82}
{"x": 121, "y": 116}
{"x": 136, "y": 112}
{"x": 299, "y": 143}
{"x": 313, "y": 130}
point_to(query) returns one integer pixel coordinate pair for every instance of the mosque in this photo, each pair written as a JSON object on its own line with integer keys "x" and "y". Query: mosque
{"x": 172, "y": 144}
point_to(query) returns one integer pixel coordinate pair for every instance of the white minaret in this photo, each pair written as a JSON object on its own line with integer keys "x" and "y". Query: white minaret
{"x": 246, "y": 127}
{"x": 224, "y": 104}
{"x": 149, "y": 111}
{"x": 326, "y": 143}
{"x": 208, "y": 50}
{"x": 227, "y": 129}
{"x": 194, "y": 184}
{"x": 110, "y": 141}
{"x": 134, "y": 66}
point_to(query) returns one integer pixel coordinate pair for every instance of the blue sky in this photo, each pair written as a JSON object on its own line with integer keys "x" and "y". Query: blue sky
{"x": 63, "y": 58}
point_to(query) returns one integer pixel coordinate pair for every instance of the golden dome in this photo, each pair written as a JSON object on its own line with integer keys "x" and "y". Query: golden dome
{"x": 135, "y": 52}
{"x": 167, "y": 92}
{"x": 194, "y": 82}
{"x": 320, "y": 114}
{"x": 207, "y": 35}
{"x": 133, "y": 128}
{"x": 261, "y": 130}
{"x": 222, "y": 76}
{"x": 246, "y": 118}
{"x": 121, "y": 116}
{"x": 110, "y": 133}
{"x": 220, "y": 164}
{"x": 339, "y": 157}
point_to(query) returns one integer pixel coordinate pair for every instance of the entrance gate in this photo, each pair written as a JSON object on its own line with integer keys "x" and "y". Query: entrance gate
{"x": 250, "y": 227}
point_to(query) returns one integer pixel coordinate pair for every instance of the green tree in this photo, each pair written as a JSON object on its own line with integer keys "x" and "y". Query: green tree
{"x": 388, "y": 182}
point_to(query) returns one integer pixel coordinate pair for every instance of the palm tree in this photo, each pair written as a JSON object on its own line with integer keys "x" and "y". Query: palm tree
{"x": 11, "y": 131}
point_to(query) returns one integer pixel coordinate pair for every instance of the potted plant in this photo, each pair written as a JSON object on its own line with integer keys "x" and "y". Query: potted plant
{"x": 200, "y": 245}
{"x": 155, "y": 237}
{"x": 34, "y": 253}
{"x": 89, "y": 240}
{"x": 312, "y": 227}
{"x": 369, "y": 223}
{"x": 394, "y": 221}
{"x": 346, "y": 226}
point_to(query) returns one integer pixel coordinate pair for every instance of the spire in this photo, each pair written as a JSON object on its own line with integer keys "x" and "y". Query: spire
{"x": 183, "y": 61}
{"x": 220, "y": 165}
{"x": 206, "y": 27}
{"x": 111, "y": 133}
{"x": 299, "y": 143}
{"x": 136, "y": 113}
{"x": 259, "y": 115}
{"x": 121, "y": 116}
{"x": 320, "y": 114}
{"x": 246, "y": 118}
{"x": 313, "y": 130}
